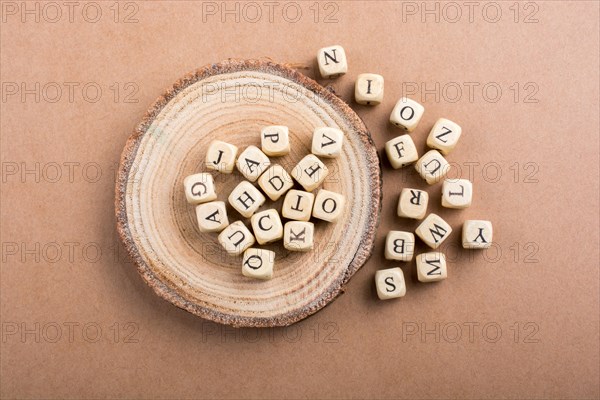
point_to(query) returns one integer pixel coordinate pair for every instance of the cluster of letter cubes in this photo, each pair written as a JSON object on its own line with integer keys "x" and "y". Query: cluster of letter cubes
{"x": 433, "y": 230}
{"x": 432, "y": 166}
{"x": 298, "y": 205}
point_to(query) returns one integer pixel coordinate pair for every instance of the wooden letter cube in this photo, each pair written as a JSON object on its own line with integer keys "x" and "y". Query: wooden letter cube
{"x": 406, "y": 114}
{"x": 457, "y": 193}
{"x": 432, "y": 167}
{"x": 298, "y": 235}
{"x": 221, "y": 156}
{"x": 310, "y": 172}
{"x": 477, "y": 234}
{"x": 368, "y": 89}
{"x": 236, "y": 238}
{"x": 401, "y": 151}
{"x": 332, "y": 61}
{"x": 298, "y": 205}
{"x": 431, "y": 267}
{"x": 267, "y": 226}
{"x": 390, "y": 283}
{"x": 444, "y": 135}
{"x": 412, "y": 203}
{"x": 327, "y": 142}
{"x": 275, "y": 140}
{"x": 399, "y": 246}
{"x": 433, "y": 231}
{"x": 246, "y": 198}
{"x": 328, "y": 205}
{"x": 258, "y": 263}
{"x": 252, "y": 163}
{"x": 199, "y": 188}
{"x": 275, "y": 182}
{"x": 212, "y": 217}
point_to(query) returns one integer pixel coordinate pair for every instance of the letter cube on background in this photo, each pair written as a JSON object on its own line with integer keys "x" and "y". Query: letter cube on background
{"x": 412, "y": 203}
{"x": 368, "y": 89}
{"x": 275, "y": 182}
{"x": 406, "y": 114}
{"x": 327, "y": 142}
{"x": 267, "y": 226}
{"x": 328, "y": 205}
{"x": 275, "y": 140}
{"x": 220, "y": 156}
{"x": 199, "y": 188}
{"x": 390, "y": 283}
{"x": 332, "y": 61}
{"x": 431, "y": 267}
{"x": 258, "y": 263}
{"x": 298, "y": 235}
{"x": 444, "y": 135}
{"x": 252, "y": 163}
{"x": 212, "y": 217}
{"x": 401, "y": 151}
{"x": 433, "y": 231}
{"x": 246, "y": 199}
{"x": 477, "y": 234}
{"x": 298, "y": 205}
{"x": 457, "y": 193}
{"x": 310, "y": 172}
{"x": 432, "y": 167}
{"x": 236, "y": 238}
{"x": 399, "y": 246}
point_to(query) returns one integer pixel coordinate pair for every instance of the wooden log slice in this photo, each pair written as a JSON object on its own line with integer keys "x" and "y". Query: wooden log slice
{"x": 231, "y": 101}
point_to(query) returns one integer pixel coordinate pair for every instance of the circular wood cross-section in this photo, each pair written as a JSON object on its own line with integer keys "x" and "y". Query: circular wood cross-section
{"x": 232, "y": 101}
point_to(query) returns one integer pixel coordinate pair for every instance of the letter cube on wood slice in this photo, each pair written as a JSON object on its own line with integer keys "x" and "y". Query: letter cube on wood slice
{"x": 236, "y": 238}
{"x": 275, "y": 140}
{"x": 432, "y": 167}
{"x": 298, "y": 205}
{"x": 327, "y": 142}
{"x": 406, "y": 114}
{"x": 457, "y": 193}
{"x": 332, "y": 61}
{"x": 368, "y": 89}
{"x": 477, "y": 234}
{"x": 252, "y": 162}
{"x": 212, "y": 217}
{"x": 390, "y": 283}
{"x": 431, "y": 267}
{"x": 275, "y": 182}
{"x": 412, "y": 203}
{"x": 258, "y": 263}
{"x": 245, "y": 198}
{"x": 401, "y": 151}
{"x": 199, "y": 188}
{"x": 433, "y": 231}
{"x": 328, "y": 205}
{"x": 220, "y": 156}
{"x": 298, "y": 235}
{"x": 399, "y": 246}
{"x": 310, "y": 172}
{"x": 267, "y": 226}
{"x": 444, "y": 135}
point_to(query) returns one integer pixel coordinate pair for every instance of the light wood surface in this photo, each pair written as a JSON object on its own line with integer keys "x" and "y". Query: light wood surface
{"x": 231, "y": 101}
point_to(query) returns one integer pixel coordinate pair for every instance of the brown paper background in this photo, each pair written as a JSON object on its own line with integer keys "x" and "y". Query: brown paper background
{"x": 358, "y": 347}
